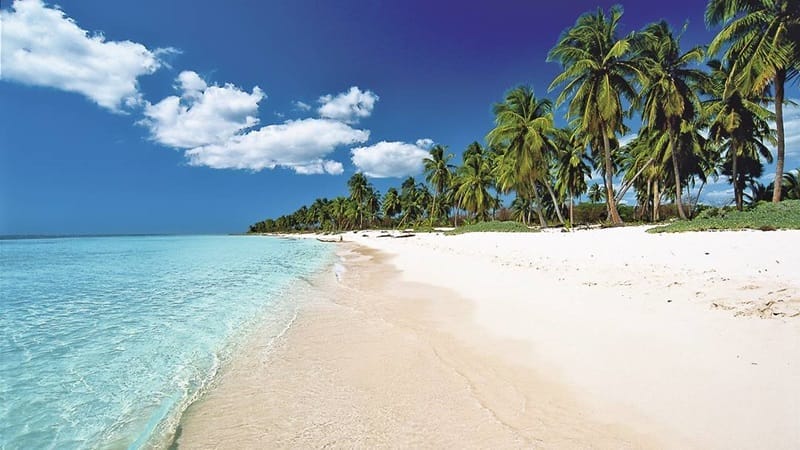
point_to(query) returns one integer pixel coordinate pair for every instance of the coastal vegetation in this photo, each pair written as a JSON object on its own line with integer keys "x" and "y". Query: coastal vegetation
{"x": 703, "y": 112}
{"x": 765, "y": 216}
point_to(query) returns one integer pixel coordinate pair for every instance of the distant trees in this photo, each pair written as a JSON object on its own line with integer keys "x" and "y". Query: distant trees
{"x": 697, "y": 122}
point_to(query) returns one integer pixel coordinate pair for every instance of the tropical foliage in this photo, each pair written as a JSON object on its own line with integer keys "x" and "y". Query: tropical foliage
{"x": 704, "y": 113}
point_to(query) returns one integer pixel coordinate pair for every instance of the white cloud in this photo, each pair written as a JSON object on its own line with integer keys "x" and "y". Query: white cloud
{"x": 348, "y": 107}
{"x": 300, "y": 106}
{"x": 301, "y": 145}
{"x": 425, "y": 143}
{"x": 202, "y": 115}
{"x": 390, "y": 159}
{"x": 41, "y": 46}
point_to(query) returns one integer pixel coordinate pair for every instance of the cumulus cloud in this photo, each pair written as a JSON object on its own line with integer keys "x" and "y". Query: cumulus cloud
{"x": 391, "y": 159}
{"x": 300, "y": 106}
{"x": 44, "y": 47}
{"x": 300, "y": 145}
{"x": 348, "y": 107}
{"x": 202, "y": 114}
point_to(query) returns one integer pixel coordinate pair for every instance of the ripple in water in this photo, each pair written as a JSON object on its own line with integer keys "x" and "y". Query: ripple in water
{"x": 105, "y": 341}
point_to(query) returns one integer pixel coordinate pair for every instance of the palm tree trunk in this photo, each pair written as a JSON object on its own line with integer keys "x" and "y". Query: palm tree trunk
{"x": 538, "y": 201}
{"x": 677, "y": 173}
{"x": 433, "y": 207}
{"x": 647, "y": 198}
{"x": 737, "y": 191}
{"x": 656, "y": 202}
{"x": 571, "y": 210}
{"x": 555, "y": 202}
{"x": 780, "y": 79}
{"x": 612, "y": 205}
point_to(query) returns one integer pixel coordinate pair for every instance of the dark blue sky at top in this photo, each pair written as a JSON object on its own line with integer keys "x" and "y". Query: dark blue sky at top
{"x": 69, "y": 166}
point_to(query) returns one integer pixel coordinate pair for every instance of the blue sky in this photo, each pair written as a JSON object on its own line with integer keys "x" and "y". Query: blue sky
{"x": 198, "y": 116}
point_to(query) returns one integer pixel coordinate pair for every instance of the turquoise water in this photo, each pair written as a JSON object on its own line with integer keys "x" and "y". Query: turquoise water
{"x": 105, "y": 341}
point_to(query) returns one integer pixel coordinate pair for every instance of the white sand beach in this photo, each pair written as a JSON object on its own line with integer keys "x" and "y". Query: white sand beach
{"x": 610, "y": 338}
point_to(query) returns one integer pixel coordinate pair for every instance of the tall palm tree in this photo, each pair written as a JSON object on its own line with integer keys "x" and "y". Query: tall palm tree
{"x": 573, "y": 167}
{"x": 391, "y": 203}
{"x": 670, "y": 95}
{"x": 739, "y": 120}
{"x": 523, "y": 125}
{"x": 438, "y": 172}
{"x": 598, "y": 74}
{"x": 360, "y": 189}
{"x": 474, "y": 181}
{"x": 760, "y": 38}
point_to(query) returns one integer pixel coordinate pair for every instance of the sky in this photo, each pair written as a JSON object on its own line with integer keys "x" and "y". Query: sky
{"x": 192, "y": 116}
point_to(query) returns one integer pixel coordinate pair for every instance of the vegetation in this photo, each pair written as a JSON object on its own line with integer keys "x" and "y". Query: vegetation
{"x": 764, "y": 216}
{"x": 706, "y": 112}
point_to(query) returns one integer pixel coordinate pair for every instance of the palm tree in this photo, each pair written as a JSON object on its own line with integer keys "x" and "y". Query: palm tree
{"x": 573, "y": 167}
{"x": 739, "y": 120}
{"x": 762, "y": 46}
{"x": 438, "y": 172}
{"x": 360, "y": 189}
{"x": 391, "y": 203}
{"x": 597, "y": 76}
{"x": 669, "y": 96}
{"x": 474, "y": 181}
{"x": 596, "y": 194}
{"x": 523, "y": 125}
{"x": 791, "y": 184}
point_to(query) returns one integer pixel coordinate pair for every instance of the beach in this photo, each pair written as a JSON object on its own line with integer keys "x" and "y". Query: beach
{"x": 607, "y": 338}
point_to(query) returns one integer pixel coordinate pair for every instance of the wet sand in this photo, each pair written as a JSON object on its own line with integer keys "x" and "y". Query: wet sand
{"x": 374, "y": 360}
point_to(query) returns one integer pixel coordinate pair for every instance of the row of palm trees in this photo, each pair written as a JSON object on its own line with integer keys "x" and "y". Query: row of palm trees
{"x": 698, "y": 121}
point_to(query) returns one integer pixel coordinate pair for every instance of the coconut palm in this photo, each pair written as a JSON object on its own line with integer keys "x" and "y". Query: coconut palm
{"x": 523, "y": 125}
{"x": 438, "y": 172}
{"x": 391, "y": 203}
{"x": 739, "y": 120}
{"x": 669, "y": 96}
{"x": 360, "y": 189}
{"x": 760, "y": 38}
{"x": 474, "y": 181}
{"x": 597, "y": 75}
{"x": 596, "y": 194}
{"x": 573, "y": 167}
{"x": 791, "y": 184}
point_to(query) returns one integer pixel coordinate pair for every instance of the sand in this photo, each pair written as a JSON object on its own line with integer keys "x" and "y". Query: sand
{"x": 594, "y": 339}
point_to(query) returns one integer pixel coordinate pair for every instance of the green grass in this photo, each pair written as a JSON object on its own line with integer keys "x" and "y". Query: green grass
{"x": 485, "y": 227}
{"x": 765, "y": 216}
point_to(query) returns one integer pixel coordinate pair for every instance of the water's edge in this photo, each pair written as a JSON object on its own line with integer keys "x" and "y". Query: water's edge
{"x": 274, "y": 322}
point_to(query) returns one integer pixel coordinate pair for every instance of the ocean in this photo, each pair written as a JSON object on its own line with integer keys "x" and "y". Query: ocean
{"x": 105, "y": 341}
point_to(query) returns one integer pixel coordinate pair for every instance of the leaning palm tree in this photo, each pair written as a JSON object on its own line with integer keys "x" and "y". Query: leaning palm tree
{"x": 598, "y": 74}
{"x": 738, "y": 121}
{"x": 669, "y": 97}
{"x": 523, "y": 125}
{"x": 438, "y": 172}
{"x": 760, "y": 38}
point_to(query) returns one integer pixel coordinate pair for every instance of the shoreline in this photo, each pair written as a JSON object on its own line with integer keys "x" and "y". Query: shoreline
{"x": 592, "y": 348}
{"x": 379, "y": 366}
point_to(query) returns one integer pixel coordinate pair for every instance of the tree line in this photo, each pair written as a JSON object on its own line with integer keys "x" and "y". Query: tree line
{"x": 705, "y": 112}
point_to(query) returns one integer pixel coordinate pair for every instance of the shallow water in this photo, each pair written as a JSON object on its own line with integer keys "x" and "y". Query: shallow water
{"x": 105, "y": 341}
